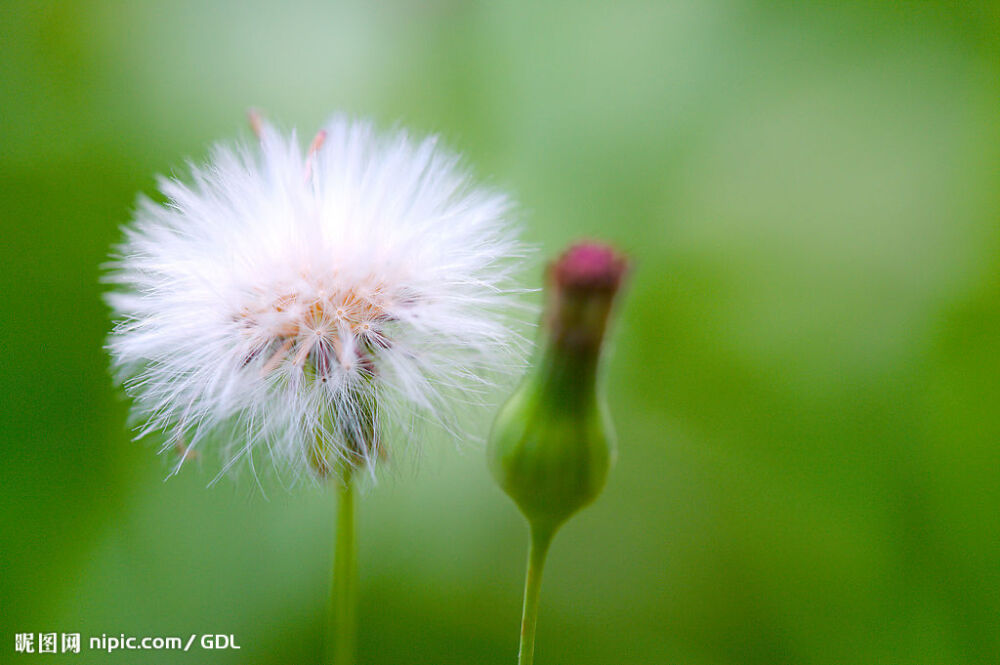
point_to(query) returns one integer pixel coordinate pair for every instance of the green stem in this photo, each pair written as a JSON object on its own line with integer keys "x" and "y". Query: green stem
{"x": 540, "y": 540}
{"x": 341, "y": 628}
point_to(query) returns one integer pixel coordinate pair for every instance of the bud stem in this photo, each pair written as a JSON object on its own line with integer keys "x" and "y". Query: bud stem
{"x": 540, "y": 540}
{"x": 341, "y": 627}
{"x": 552, "y": 444}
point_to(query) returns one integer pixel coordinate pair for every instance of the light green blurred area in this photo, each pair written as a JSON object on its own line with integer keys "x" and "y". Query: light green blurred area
{"x": 805, "y": 380}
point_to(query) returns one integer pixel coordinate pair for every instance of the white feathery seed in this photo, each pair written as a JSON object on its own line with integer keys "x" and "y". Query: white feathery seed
{"x": 315, "y": 305}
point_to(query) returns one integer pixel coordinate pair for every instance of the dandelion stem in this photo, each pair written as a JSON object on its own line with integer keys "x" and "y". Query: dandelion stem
{"x": 341, "y": 626}
{"x": 540, "y": 540}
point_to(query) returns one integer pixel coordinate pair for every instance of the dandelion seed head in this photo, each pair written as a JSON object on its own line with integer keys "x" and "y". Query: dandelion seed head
{"x": 315, "y": 306}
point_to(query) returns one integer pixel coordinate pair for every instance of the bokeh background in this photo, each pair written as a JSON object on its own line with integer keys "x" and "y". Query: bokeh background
{"x": 806, "y": 376}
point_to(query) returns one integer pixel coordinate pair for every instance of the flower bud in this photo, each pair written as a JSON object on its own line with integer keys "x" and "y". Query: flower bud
{"x": 552, "y": 445}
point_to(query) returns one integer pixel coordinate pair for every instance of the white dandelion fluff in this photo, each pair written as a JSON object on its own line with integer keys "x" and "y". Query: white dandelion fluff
{"x": 314, "y": 305}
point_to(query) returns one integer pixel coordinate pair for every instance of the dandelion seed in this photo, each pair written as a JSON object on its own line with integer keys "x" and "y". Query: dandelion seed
{"x": 313, "y": 304}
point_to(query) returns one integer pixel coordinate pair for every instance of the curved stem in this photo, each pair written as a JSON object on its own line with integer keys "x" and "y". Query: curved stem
{"x": 341, "y": 627}
{"x": 540, "y": 541}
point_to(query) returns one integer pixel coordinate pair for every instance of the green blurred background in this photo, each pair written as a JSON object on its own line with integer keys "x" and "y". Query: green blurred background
{"x": 806, "y": 377}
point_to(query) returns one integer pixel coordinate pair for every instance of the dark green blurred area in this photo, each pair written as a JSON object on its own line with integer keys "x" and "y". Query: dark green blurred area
{"x": 806, "y": 378}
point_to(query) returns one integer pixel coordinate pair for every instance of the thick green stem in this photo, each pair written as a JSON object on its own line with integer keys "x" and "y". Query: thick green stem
{"x": 540, "y": 540}
{"x": 341, "y": 628}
